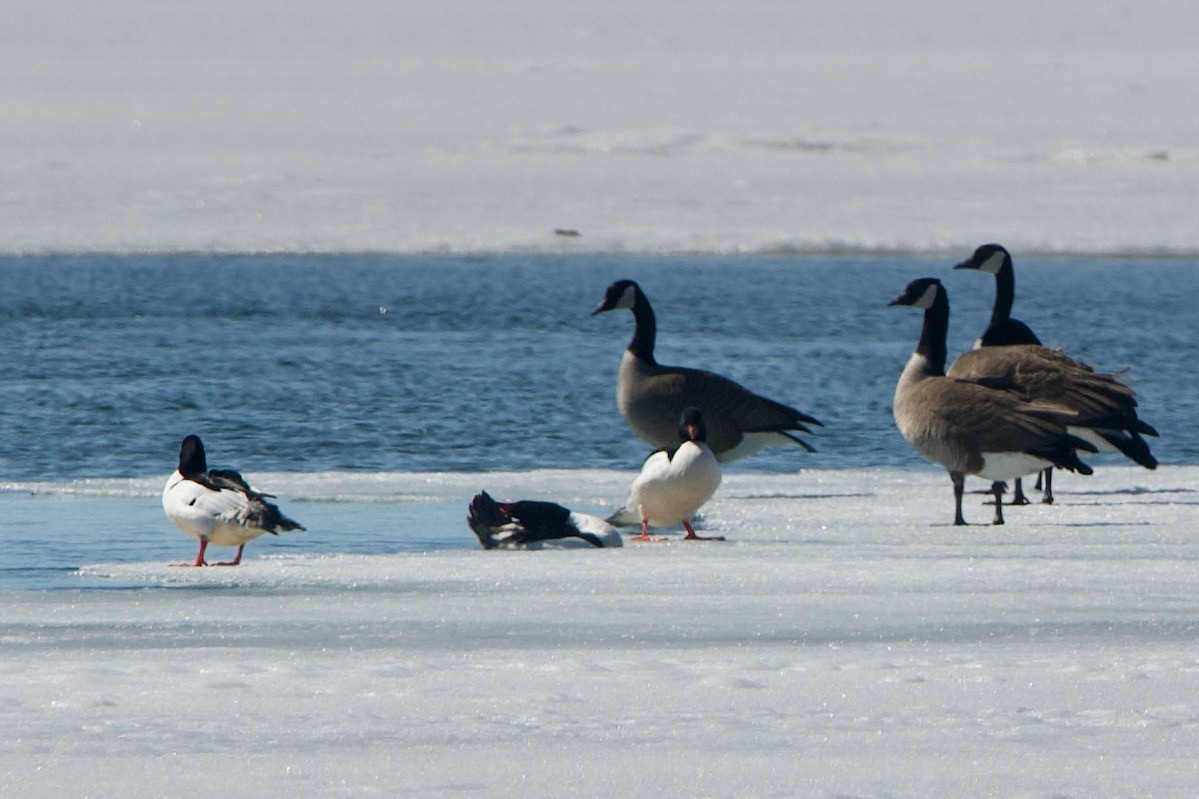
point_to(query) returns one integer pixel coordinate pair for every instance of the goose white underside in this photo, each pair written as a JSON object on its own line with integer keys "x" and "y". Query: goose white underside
{"x": 752, "y": 444}
{"x": 1091, "y": 437}
{"x": 217, "y": 517}
{"x": 1010, "y": 465}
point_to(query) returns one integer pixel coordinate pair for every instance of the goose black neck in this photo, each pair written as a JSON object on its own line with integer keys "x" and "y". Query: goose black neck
{"x": 933, "y": 334}
{"x": 1003, "y": 329}
{"x": 1005, "y": 293}
{"x": 646, "y": 331}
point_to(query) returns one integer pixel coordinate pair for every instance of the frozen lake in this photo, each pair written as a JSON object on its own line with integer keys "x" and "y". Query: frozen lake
{"x": 674, "y": 126}
{"x": 846, "y": 641}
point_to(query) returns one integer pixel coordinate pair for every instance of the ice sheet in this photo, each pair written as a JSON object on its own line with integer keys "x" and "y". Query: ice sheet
{"x": 846, "y": 641}
{"x": 671, "y": 126}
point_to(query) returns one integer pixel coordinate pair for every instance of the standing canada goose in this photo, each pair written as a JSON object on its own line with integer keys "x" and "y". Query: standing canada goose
{"x": 1009, "y": 355}
{"x": 674, "y": 483}
{"x": 967, "y": 426}
{"x": 530, "y": 524}
{"x": 217, "y": 506}
{"x": 1002, "y": 330}
{"x": 651, "y": 396}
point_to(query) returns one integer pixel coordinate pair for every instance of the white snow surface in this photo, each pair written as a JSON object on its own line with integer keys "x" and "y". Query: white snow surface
{"x": 470, "y": 126}
{"x": 845, "y": 642}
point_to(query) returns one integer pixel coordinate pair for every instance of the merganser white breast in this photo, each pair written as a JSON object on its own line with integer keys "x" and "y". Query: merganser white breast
{"x": 672, "y": 486}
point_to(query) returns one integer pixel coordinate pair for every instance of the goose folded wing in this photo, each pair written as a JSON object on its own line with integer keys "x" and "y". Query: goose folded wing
{"x": 751, "y": 412}
{"x": 1000, "y": 421}
{"x": 1099, "y": 399}
{"x": 1040, "y": 373}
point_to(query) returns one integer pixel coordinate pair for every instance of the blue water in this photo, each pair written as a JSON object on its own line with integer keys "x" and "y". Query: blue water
{"x": 47, "y": 538}
{"x": 380, "y": 363}
{"x": 311, "y": 363}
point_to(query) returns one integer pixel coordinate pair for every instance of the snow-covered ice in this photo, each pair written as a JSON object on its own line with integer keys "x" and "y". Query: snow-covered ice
{"x": 755, "y": 126}
{"x": 846, "y": 641}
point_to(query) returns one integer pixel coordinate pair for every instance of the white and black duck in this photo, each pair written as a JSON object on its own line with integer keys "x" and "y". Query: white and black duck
{"x": 533, "y": 524}
{"x": 674, "y": 483}
{"x": 217, "y": 506}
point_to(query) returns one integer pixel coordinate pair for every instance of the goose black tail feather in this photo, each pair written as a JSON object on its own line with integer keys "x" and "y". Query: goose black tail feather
{"x": 799, "y": 440}
{"x": 1131, "y": 445}
{"x": 1144, "y": 428}
{"x": 798, "y": 419}
{"x": 1064, "y": 454}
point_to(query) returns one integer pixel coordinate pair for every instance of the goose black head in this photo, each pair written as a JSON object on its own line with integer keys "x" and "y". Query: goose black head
{"x": 621, "y": 294}
{"x": 988, "y": 258}
{"x": 691, "y": 426}
{"x": 920, "y": 293}
{"x": 191, "y": 457}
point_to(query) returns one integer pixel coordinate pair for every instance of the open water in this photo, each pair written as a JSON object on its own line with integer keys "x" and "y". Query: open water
{"x": 433, "y": 364}
{"x": 312, "y": 363}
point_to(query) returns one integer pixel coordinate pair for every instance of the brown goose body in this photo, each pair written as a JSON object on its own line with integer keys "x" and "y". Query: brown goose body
{"x": 970, "y": 427}
{"x": 1010, "y": 356}
{"x": 1041, "y": 373}
{"x": 651, "y": 396}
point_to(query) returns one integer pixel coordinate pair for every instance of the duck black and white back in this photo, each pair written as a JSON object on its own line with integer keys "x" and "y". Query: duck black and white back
{"x": 650, "y": 395}
{"x": 217, "y": 506}
{"x": 534, "y": 524}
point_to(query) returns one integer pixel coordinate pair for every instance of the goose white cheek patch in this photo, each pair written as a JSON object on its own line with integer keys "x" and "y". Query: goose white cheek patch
{"x": 927, "y": 298}
{"x": 627, "y": 299}
{"x": 993, "y": 264}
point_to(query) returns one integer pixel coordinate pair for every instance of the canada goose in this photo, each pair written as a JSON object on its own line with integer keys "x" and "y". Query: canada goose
{"x": 967, "y": 426}
{"x": 217, "y": 506}
{"x": 1002, "y": 330}
{"x": 651, "y": 396}
{"x": 1009, "y": 355}
{"x": 674, "y": 483}
{"x": 530, "y": 524}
